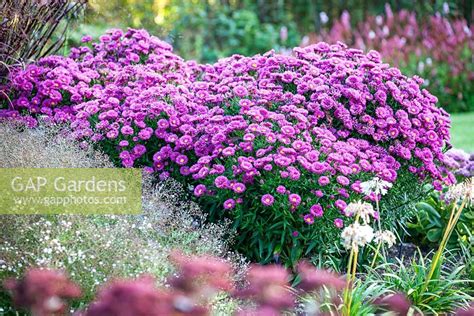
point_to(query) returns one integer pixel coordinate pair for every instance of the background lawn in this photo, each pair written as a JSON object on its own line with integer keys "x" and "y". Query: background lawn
{"x": 462, "y": 131}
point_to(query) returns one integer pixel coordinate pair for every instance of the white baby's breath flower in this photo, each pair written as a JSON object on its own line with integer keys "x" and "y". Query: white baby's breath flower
{"x": 364, "y": 209}
{"x": 385, "y": 236}
{"x": 356, "y": 235}
{"x": 376, "y": 185}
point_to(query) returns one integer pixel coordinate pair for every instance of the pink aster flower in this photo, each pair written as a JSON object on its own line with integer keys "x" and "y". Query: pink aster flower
{"x": 340, "y": 204}
{"x": 342, "y": 180}
{"x": 240, "y": 91}
{"x": 199, "y": 190}
{"x": 184, "y": 170}
{"x": 281, "y": 189}
{"x": 294, "y": 199}
{"x": 339, "y": 223}
{"x": 221, "y": 182}
{"x": 267, "y": 199}
{"x": 308, "y": 219}
{"x": 229, "y": 204}
{"x": 123, "y": 143}
{"x": 316, "y": 210}
{"x": 323, "y": 181}
{"x": 239, "y": 187}
{"x": 181, "y": 160}
{"x": 229, "y": 151}
{"x": 126, "y": 130}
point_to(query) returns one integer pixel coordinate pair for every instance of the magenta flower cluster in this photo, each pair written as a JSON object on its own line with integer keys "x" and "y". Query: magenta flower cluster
{"x": 293, "y": 134}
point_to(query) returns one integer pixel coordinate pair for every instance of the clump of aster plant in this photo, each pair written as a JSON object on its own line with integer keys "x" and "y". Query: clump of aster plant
{"x": 278, "y": 144}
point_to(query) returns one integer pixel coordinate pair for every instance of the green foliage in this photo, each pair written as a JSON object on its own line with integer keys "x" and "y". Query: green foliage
{"x": 363, "y": 294}
{"x": 429, "y": 223}
{"x": 206, "y": 33}
{"x": 467, "y": 251}
{"x": 447, "y": 291}
{"x": 198, "y": 30}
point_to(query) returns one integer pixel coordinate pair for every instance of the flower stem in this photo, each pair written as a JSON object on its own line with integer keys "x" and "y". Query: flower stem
{"x": 347, "y": 290}
{"x": 354, "y": 265}
{"x": 352, "y": 279}
{"x": 453, "y": 219}
{"x": 377, "y": 207}
{"x": 376, "y": 254}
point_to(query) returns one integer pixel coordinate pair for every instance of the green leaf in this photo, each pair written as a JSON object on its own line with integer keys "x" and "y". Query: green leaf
{"x": 432, "y": 212}
{"x": 434, "y": 234}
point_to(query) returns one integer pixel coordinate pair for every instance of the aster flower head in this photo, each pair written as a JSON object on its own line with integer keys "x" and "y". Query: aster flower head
{"x": 229, "y": 204}
{"x": 281, "y": 189}
{"x": 267, "y": 199}
{"x": 323, "y": 180}
{"x": 199, "y": 190}
{"x": 340, "y": 204}
{"x": 339, "y": 223}
{"x": 316, "y": 210}
{"x": 294, "y": 199}
{"x": 309, "y": 219}
{"x": 182, "y": 160}
{"x": 86, "y": 38}
{"x": 239, "y": 187}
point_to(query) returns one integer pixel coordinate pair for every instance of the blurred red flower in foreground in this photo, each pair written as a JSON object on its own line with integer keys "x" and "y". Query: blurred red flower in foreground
{"x": 314, "y": 279}
{"x": 43, "y": 291}
{"x": 397, "y": 303}
{"x": 200, "y": 275}
{"x": 269, "y": 288}
{"x": 140, "y": 298}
